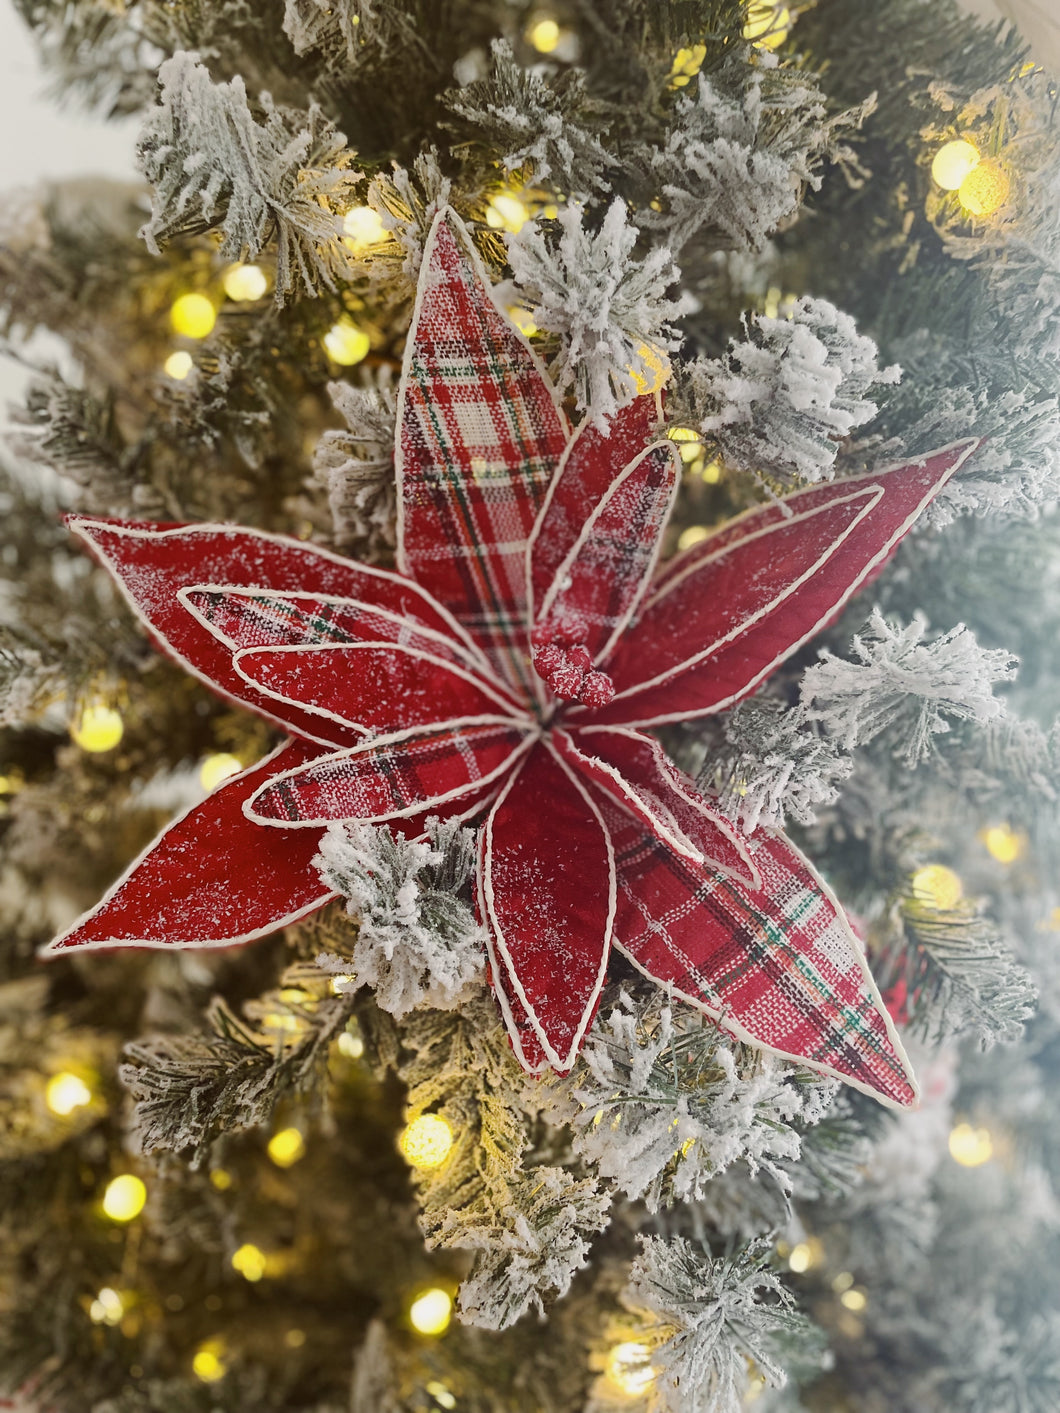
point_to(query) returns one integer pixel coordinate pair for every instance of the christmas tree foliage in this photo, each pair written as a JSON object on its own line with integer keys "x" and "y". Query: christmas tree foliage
{"x": 747, "y": 293}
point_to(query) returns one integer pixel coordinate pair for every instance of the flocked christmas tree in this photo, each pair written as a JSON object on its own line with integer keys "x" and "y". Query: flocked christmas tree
{"x": 548, "y": 878}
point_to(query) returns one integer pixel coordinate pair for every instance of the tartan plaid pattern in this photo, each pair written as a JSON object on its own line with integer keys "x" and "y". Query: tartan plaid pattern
{"x": 778, "y": 966}
{"x": 602, "y": 584}
{"x": 245, "y": 619}
{"x": 480, "y": 438}
{"x": 368, "y": 686}
{"x": 391, "y": 778}
{"x": 660, "y": 796}
{"x": 582, "y": 480}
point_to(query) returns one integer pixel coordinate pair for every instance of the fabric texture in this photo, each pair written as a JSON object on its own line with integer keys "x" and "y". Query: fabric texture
{"x": 507, "y": 673}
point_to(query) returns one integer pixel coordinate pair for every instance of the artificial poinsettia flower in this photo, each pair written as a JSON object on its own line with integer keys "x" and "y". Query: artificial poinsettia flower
{"x": 511, "y": 670}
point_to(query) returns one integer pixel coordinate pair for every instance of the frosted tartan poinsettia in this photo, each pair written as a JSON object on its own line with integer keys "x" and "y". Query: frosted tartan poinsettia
{"x": 510, "y": 670}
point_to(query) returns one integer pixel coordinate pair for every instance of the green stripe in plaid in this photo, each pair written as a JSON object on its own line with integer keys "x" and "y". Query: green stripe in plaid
{"x": 480, "y": 440}
{"x": 780, "y": 962}
{"x": 390, "y": 779}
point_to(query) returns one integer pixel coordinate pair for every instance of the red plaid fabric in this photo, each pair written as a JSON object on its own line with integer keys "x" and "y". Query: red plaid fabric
{"x": 598, "y": 585}
{"x": 370, "y": 687}
{"x": 778, "y": 967}
{"x": 383, "y": 781}
{"x": 480, "y": 436}
{"x": 550, "y": 909}
{"x": 245, "y": 619}
{"x": 632, "y": 771}
{"x": 582, "y": 480}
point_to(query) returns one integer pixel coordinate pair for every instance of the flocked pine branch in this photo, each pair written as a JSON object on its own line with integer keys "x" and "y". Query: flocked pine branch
{"x": 660, "y": 1102}
{"x": 781, "y": 401}
{"x": 287, "y": 176}
{"x": 341, "y": 30}
{"x": 903, "y": 689}
{"x": 706, "y": 1321}
{"x": 547, "y": 121}
{"x": 528, "y": 1222}
{"x": 417, "y": 940}
{"x": 355, "y": 465}
{"x": 608, "y": 307}
{"x": 773, "y": 765}
{"x": 745, "y": 142}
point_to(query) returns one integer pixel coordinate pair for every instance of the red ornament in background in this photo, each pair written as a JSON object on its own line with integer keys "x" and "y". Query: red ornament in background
{"x": 509, "y": 670}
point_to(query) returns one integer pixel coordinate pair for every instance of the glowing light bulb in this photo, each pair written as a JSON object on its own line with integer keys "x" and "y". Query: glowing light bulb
{"x": 431, "y": 1312}
{"x": 505, "y": 212}
{"x": 799, "y": 1260}
{"x": 441, "y": 1395}
{"x": 97, "y": 727}
{"x": 523, "y": 321}
{"x": 192, "y": 315}
{"x": 124, "y": 1198}
{"x": 286, "y": 1147}
{"x": 971, "y": 1147}
{"x": 653, "y": 370}
{"x": 209, "y": 1363}
{"x": 952, "y": 163}
{"x": 1004, "y": 843}
{"x": 629, "y": 1368}
{"x": 66, "y": 1092}
{"x": 249, "y": 1261}
{"x": 352, "y": 1046}
{"x": 363, "y": 228}
{"x": 245, "y": 283}
{"x": 294, "y": 1339}
{"x": 853, "y": 1299}
{"x": 345, "y": 343}
{"x": 687, "y": 63}
{"x": 427, "y": 1141}
{"x": 937, "y": 887}
{"x": 767, "y": 25}
{"x": 107, "y": 1308}
{"x": 544, "y": 35}
{"x": 218, "y": 767}
{"x": 985, "y": 189}
{"x": 221, "y": 1179}
{"x": 843, "y": 1281}
{"x": 178, "y": 365}
{"x": 711, "y": 472}
{"x": 692, "y": 535}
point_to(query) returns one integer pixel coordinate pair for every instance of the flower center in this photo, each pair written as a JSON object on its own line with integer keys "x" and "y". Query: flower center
{"x": 568, "y": 669}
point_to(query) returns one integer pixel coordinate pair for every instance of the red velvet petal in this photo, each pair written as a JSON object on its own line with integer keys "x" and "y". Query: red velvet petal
{"x": 211, "y": 878}
{"x": 547, "y": 893}
{"x": 586, "y": 471}
{"x": 778, "y": 967}
{"x": 370, "y": 686}
{"x": 600, "y": 582}
{"x": 480, "y": 433}
{"x": 390, "y": 778}
{"x": 716, "y": 629}
{"x": 633, "y": 771}
{"x": 151, "y": 563}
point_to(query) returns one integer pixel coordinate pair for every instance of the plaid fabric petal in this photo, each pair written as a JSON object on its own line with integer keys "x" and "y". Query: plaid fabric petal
{"x": 243, "y": 618}
{"x": 523, "y": 1037}
{"x": 390, "y": 778}
{"x": 632, "y": 771}
{"x": 717, "y": 628}
{"x": 212, "y": 878}
{"x": 479, "y": 436}
{"x": 550, "y": 910}
{"x": 370, "y": 686}
{"x": 778, "y": 967}
{"x": 583, "y": 477}
{"x": 598, "y": 585}
{"x": 151, "y": 563}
